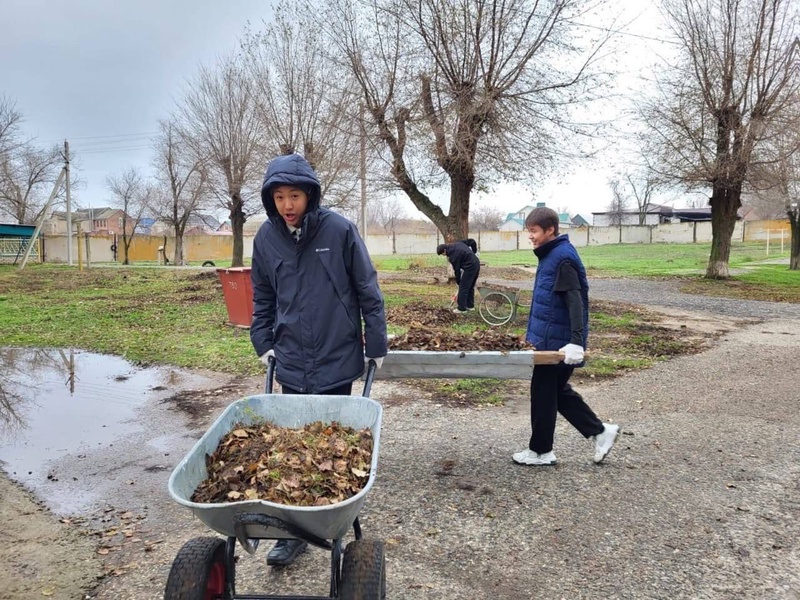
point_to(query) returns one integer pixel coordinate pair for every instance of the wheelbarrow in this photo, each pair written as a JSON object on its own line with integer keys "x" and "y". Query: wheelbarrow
{"x": 205, "y": 569}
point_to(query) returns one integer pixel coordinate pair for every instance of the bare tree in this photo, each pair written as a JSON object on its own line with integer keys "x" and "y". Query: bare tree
{"x": 766, "y": 203}
{"x": 305, "y": 102}
{"x": 643, "y": 184}
{"x": 218, "y": 114}
{"x": 462, "y": 91}
{"x": 715, "y": 108}
{"x": 793, "y": 211}
{"x": 132, "y": 194}
{"x": 618, "y": 205}
{"x": 486, "y": 218}
{"x": 27, "y": 177}
{"x": 385, "y": 215}
{"x": 779, "y": 184}
{"x": 183, "y": 182}
{"x": 10, "y": 119}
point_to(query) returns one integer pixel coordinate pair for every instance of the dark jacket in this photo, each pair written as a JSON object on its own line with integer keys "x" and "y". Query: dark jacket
{"x": 549, "y": 322}
{"x": 471, "y": 243}
{"x": 461, "y": 257}
{"x": 309, "y": 297}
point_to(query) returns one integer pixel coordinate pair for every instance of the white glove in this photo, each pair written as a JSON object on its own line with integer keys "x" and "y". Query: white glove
{"x": 378, "y": 361}
{"x": 264, "y": 358}
{"x": 573, "y": 354}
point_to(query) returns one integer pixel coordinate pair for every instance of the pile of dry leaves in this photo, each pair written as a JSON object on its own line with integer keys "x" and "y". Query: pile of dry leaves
{"x": 424, "y": 338}
{"x": 317, "y": 465}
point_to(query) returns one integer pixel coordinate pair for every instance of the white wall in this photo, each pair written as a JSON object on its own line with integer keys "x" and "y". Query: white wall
{"x": 217, "y": 247}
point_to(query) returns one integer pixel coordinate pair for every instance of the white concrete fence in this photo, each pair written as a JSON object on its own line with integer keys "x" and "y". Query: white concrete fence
{"x": 199, "y": 247}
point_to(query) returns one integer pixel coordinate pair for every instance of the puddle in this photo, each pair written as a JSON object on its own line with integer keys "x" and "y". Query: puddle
{"x": 61, "y": 403}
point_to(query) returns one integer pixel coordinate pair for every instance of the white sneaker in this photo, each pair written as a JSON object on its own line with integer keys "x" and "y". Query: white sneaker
{"x": 603, "y": 442}
{"x": 529, "y": 457}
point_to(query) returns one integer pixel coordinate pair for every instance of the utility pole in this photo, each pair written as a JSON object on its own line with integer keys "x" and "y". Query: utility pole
{"x": 42, "y": 216}
{"x": 69, "y": 205}
{"x": 363, "y": 175}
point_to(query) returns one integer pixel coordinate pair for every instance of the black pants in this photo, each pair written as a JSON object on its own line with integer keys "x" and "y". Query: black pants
{"x": 551, "y": 392}
{"x": 342, "y": 390}
{"x": 466, "y": 288}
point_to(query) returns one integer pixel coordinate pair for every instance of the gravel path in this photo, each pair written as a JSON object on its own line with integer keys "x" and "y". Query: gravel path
{"x": 665, "y": 293}
{"x": 699, "y": 500}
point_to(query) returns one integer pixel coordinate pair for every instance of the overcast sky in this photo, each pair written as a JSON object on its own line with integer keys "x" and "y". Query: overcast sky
{"x": 101, "y": 74}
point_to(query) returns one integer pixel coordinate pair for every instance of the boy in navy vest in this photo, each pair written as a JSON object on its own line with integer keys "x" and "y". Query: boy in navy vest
{"x": 559, "y": 320}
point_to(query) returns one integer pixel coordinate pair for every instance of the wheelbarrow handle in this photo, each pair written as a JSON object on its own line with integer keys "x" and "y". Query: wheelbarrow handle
{"x": 371, "y": 368}
{"x": 550, "y": 357}
{"x": 270, "y": 373}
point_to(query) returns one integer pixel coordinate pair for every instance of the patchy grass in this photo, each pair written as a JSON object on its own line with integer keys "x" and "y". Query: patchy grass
{"x": 684, "y": 262}
{"x": 773, "y": 283}
{"x": 145, "y": 315}
{"x": 178, "y": 317}
{"x": 467, "y": 392}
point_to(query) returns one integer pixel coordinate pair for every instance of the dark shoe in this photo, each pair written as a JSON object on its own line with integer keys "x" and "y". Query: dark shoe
{"x": 285, "y": 551}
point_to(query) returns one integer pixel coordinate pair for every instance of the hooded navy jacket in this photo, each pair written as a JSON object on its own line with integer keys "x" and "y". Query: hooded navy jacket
{"x": 309, "y": 297}
{"x": 549, "y": 326}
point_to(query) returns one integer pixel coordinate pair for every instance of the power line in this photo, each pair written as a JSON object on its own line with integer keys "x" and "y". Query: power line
{"x": 629, "y": 34}
{"x": 104, "y": 137}
{"x": 107, "y": 150}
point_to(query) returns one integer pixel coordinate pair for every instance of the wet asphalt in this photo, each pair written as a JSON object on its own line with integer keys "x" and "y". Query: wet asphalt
{"x": 699, "y": 498}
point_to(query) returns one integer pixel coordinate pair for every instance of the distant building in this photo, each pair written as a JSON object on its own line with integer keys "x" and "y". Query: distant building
{"x": 196, "y": 224}
{"x": 145, "y": 225}
{"x": 579, "y": 221}
{"x": 658, "y": 214}
{"x": 102, "y": 221}
{"x": 516, "y": 221}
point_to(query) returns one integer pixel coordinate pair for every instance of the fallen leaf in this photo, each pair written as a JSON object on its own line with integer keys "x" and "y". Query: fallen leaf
{"x": 240, "y": 433}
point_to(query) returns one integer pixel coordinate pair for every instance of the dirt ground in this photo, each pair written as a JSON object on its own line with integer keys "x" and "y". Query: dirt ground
{"x": 42, "y": 557}
{"x": 698, "y": 500}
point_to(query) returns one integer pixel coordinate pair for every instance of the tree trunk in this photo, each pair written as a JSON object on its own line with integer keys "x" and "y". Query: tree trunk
{"x": 126, "y": 243}
{"x": 237, "y": 224}
{"x": 177, "y": 257}
{"x": 458, "y": 219}
{"x": 725, "y": 203}
{"x": 794, "y": 249}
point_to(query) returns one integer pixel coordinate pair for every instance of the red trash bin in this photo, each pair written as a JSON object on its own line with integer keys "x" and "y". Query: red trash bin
{"x": 238, "y": 292}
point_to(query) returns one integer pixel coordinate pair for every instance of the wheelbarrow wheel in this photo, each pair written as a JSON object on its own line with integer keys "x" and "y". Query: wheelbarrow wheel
{"x": 198, "y": 571}
{"x": 496, "y": 308}
{"x": 363, "y": 571}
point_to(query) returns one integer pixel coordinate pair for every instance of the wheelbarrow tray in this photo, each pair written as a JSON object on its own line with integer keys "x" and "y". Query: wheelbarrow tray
{"x": 285, "y": 410}
{"x": 421, "y": 364}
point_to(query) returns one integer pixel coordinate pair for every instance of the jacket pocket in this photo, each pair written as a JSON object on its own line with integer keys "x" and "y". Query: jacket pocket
{"x": 341, "y": 285}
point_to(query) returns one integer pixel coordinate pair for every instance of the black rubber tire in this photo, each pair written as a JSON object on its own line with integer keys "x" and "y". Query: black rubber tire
{"x": 363, "y": 571}
{"x": 209, "y": 263}
{"x": 196, "y": 563}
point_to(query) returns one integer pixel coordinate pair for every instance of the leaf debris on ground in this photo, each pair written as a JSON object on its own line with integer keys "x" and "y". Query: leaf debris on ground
{"x": 316, "y": 465}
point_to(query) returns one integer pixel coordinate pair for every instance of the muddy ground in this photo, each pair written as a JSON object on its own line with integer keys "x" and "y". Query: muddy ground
{"x": 698, "y": 500}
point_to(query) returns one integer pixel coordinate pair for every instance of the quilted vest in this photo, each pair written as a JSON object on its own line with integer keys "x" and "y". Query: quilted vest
{"x": 548, "y": 324}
